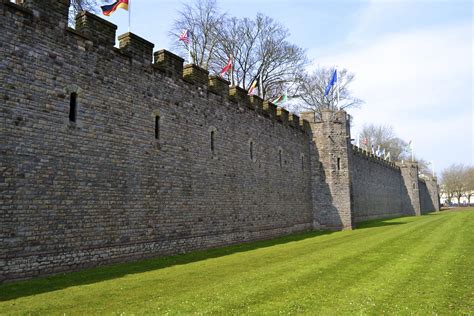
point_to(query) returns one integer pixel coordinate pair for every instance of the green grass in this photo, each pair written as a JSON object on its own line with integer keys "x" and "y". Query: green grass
{"x": 411, "y": 265}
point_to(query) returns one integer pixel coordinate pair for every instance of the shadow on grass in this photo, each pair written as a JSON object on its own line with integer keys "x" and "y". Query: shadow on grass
{"x": 88, "y": 276}
{"x": 380, "y": 223}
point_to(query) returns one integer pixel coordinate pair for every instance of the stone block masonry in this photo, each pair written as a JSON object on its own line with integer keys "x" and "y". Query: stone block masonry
{"x": 108, "y": 156}
{"x": 379, "y": 188}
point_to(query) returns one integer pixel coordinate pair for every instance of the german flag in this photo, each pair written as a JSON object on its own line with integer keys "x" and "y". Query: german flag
{"x": 110, "y": 8}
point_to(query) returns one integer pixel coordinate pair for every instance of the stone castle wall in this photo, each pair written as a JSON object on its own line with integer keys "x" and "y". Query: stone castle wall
{"x": 429, "y": 199}
{"x": 104, "y": 188}
{"x": 157, "y": 158}
{"x": 378, "y": 190}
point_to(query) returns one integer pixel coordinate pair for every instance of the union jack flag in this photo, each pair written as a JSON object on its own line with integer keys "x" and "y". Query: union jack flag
{"x": 184, "y": 37}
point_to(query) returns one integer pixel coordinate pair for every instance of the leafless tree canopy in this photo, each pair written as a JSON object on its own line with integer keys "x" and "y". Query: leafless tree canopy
{"x": 259, "y": 47}
{"x": 455, "y": 181}
{"x": 468, "y": 179}
{"x": 203, "y": 19}
{"x": 384, "y": 136}
{"x": 312, "y": 88}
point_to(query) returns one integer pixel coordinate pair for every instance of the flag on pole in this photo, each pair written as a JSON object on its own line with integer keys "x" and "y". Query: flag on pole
{"x": 281, "y": 99}
{"x": 184, "y": 37}
{"x": 409, "y": 147}
{"x": 108, "y": 9}
{"x": 253, "y": 85}
{"x": 331, "y": 82}
{"x": 226, "y": 67}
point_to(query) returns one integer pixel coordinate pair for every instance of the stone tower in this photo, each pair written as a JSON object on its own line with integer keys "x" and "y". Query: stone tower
{"x": 409, "y": 172}
{"x": 330, "y": 169}
{"x": 433, "y": 189}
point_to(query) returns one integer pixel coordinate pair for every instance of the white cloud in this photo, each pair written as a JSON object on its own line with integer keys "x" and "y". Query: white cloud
{"x": 420, "y": 82}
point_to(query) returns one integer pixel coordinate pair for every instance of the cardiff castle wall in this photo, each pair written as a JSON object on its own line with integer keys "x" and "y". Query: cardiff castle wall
{"x": 378, "y": 189}
{"x": 113, "y": 154}
{"x": 429, "y": 195}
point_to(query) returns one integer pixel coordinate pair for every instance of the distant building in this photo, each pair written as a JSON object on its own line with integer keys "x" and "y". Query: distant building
{"x": 454, "y": 200}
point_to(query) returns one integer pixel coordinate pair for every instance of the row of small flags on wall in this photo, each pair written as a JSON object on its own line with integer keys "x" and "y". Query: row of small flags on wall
{"x": 381, "y": 152}
{"x": 186, "y": 36}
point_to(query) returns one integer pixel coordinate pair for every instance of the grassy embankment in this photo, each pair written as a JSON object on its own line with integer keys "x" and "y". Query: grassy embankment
{"x": 422, "y": 265}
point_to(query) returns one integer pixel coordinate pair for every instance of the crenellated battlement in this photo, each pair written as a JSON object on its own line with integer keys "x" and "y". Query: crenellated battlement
{"x": 100, "y": 31}
{"x": 102, "y": 34}
{"x": 368, "y": 155}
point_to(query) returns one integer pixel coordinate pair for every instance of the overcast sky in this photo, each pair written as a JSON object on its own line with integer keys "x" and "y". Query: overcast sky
{"x": 413, "y": 60}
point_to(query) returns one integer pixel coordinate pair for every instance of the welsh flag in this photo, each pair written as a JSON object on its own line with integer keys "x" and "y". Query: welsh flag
{"x": 281, "y": 99}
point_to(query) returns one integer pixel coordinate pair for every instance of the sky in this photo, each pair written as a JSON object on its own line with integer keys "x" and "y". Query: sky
{"x": 413, "y": 60}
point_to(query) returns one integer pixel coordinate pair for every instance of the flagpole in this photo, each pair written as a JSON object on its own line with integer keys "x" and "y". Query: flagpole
{"x": 338, "y": 86}
{"x": 231, "y": 70}
{"x": 412, "y": 155}
{"x": 189, "y": 54}
{"x": 129, "y": 14}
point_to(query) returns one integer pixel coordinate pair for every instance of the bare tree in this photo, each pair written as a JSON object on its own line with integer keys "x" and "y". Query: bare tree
{"x": 282, "y": 63}
{"x": 468, "y": 180}
{"x": 204, "y": 21}
{"x": 259, "y": 47}
{"x": 452, "y": 181}
{"x": 423, "y": 166}
{"x": 383, "y": 136}
{"x": 237, "y": 39}
{"x": 313, "y": 86}
{"x": 260, "y": 53}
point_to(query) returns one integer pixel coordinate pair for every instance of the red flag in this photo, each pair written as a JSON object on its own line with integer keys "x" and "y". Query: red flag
{"x": 227, "y": 67}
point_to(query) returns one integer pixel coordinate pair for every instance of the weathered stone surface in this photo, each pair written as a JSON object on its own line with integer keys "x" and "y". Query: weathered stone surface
{"x": 429, "y": 194}
{"x": 331, "y": 170}
{"x": 103, "y": 189}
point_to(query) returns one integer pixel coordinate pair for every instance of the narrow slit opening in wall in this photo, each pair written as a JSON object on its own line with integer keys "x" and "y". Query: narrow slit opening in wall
{"x": 73, "y": 107}
{"x": 338, "y": 163}
{"x": 157, "y": 127}
{"x": 212, "y": 141}
{"x": 280, "y": 158}
{"x": 302, "y": 162}
{"x": 251, "y": 150}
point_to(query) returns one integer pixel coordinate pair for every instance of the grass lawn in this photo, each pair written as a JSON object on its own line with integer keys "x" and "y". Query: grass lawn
{"x": 412, "y": 265}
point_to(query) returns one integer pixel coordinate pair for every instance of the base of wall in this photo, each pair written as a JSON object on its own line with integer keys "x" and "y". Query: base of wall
{"x": 334, "y": 228}
{"x": 38, "y": 265}
{"x": 366, "y": 218}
